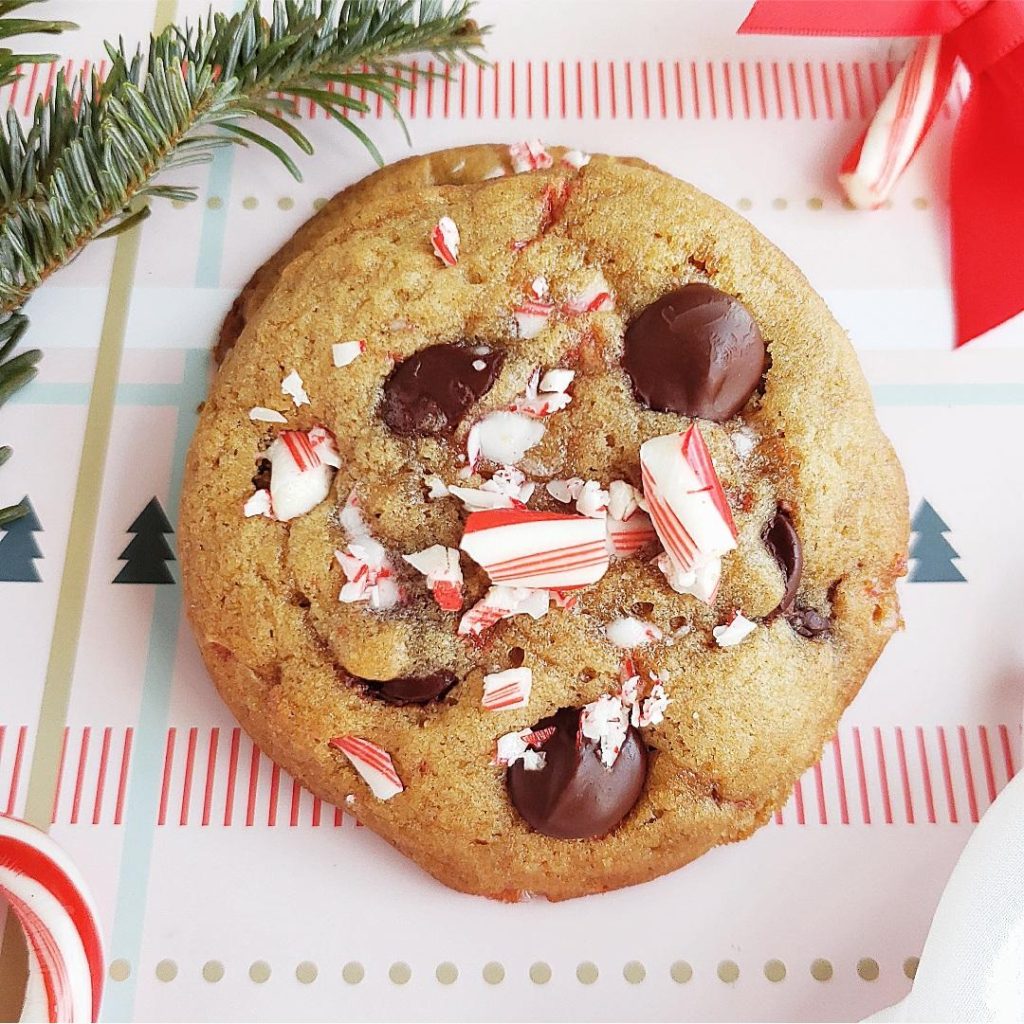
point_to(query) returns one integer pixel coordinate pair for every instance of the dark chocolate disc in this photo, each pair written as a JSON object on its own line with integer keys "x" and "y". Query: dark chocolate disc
{"x": 429, "y": 392}
{"x": 782, "y": 540}
{"x": 574, "y": 796}
{"x": 695, "y": 351}
{"x": 413, "y": 689}
{"x": 807, "y": 622}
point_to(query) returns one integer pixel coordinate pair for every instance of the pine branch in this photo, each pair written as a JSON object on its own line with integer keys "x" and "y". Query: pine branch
{"x": 86, "y": 167}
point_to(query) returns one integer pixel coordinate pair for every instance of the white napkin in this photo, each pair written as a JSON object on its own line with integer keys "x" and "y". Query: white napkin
{"x": 972, "y": 964}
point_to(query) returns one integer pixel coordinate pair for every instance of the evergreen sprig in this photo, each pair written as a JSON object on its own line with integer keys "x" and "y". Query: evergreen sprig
{"x": 85, "y": 166}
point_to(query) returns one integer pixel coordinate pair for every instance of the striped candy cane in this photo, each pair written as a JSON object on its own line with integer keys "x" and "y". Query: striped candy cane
{"x": 872, "y": 167}
{"x": 47, "y": 894}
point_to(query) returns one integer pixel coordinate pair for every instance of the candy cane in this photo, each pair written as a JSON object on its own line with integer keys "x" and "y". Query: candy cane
{"x": 900, "y": 123}
{"x": 47, "y": 895}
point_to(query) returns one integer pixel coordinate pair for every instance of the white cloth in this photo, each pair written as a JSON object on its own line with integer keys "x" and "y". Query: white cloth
{"x": 972, "y": 964}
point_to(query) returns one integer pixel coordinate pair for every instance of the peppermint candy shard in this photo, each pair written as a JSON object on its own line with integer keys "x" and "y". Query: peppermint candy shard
{"x": 445, "y": 240}
{"x": 259, "y": 505}
{"x": 701, "y": 580}
{"x": 436, "y": 488}
{"x": 370, "y": 575}
{"x": 523, "y": 548}
{"x": 302, "y": 467}
{"x": 261, "y": 414}
{"x": 520, "y": 746}
{"x": 506, "y": 690}
{"x": 502, "y": 603}
{"x": 545, "y": 395}
{"x": 628, "y": 536}
{"x": 605, "y": 721}
{"x": 345, "y": 352}
{"x": 592, "y": 500}
{"x": 530, "y": 317}
{"x": 373, "y": 763}
{"x": 686, "y": 500}
{"x": 508, "y": 488}
{"x": 628, "y": 632}
{"x": 735, "y": 632}
{"x": 561, "y": 599}
{"x": 565, "y": 490}
{"x": 292, "y": 386}
{"x": 529, "y": 155}
{"x": 575, "y": 158}
{"x": 539, "y": 287}
{"x": 596, "y": 297}
{"x": 441, "y": 567}
{"x": 503, "y": 437}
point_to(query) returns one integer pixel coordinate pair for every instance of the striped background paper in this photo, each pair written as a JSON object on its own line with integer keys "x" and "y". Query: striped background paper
{"x": 226, "y": 890}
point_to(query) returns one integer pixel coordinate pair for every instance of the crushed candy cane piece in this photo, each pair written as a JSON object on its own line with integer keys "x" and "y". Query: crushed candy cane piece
{"x": 595, "y": 298}
{"x": 530, "y": 316}
{"x": 565, "y": 490}
{"x": 700, "y": 580}
{"x": 628, "y": 536}
{"x": 529, "y": 155}
{"x": 651, "y": 709}
{"x": 445, "y": 240}
{"x": 506, "y": 690}
{"x": 351, "y": 518}
{"x": 301, "y": 470}
{"x": 503, "y": 437}
{"x": 544, "y": 396}
{"x": 261, "y": 414}
{"x": 444, "y": 574}
{"x": 688, "y": 506}
{"x": 345, "y": 352}
{"x": 539, "y": 287}
{"x": 479, "y": 364}
{"x": 523, "y": 548}
{"x": 436, "y": 487}
{"x": 373, "y": 763}
{"x": 575, "y": 158}
{"x": 518, "y": 746}
{"x": 502, "y": 603}
{"x": 629, "y": 632}
{"x": 292, "y": 386}
{"x": 605, "y": 722}
{"x": 592, "y": 500}
{"x": 498, "y": 172}
{"x": 561, "y": 599}
{"x": 259, "y": 505}
{"x": 370, "y": 575}
{"x": 623, "y": 499}
{"x": 744, "y": 440}
{"x": 735, "y": 632}
{"x": 508, "y": 488}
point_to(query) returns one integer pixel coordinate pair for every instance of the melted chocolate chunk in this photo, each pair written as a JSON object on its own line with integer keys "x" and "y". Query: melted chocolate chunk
{"x": 429, "y": 392}
{"x": 807, "y": 622}
{"x": 782, "y": 540}
{"x": 695, "y": 351}
{"x": 574, "y": 796}
{"x": 413, "y": 689}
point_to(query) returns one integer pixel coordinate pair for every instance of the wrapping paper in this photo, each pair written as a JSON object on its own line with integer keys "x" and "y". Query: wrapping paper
{"x": 225, "y": 890}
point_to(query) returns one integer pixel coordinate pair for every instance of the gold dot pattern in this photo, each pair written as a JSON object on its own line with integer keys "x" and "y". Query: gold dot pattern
{"x": 285, "y": 203}
{"x": 779, "y": 203}
{"x": 306, "y": 972}
{"x": 320, "y": 203}
{"x": 120, "y": 970}
{"x": 399, "y": 973}
{"x": 213, "y": 970}
{"x": 681, "y": 972}
{"x": 494, "y": 973}
{"x": 250, "y": 203}
{"x": 775, "y": 970}
{"x": 587, "y": 973}
{"x": 447, "y": 973}
{"x": 634, "y": 972}
{"x": 728, "y": 971}
{"x": 259, "y": 972}
{"x": 815, "y": 203}
{"x": 166, "y": 970}
{"x": 540, "y": 973}
{"x": 821, "y": 970}
{"x": 910, "y": 966}
{"x": 214, "y": 203}
{"x": 179, "y": 204}
{"x": 867, "y": 968}
{"x": 745, "y": 204}
{"x": 920, "y": 203}
{"x": 353, "y": 973}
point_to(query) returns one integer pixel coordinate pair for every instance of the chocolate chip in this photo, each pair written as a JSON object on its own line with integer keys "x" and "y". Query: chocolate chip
{"x": 807, "y": 622}
{"x": 781, "y": 539}
{"x": 574, "y": 796}
{"x": 695, "y": 351}
{"x": 429, "y": 392}
{"x": 413, "y": 689}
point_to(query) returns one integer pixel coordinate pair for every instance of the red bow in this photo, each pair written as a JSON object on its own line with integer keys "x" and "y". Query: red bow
{"x": 987, "y": 174}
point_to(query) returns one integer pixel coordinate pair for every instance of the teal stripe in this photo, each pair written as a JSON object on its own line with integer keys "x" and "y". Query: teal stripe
{"x": 949, "y": 394}
{"x": 60, "y": 393}
{"x": 211, "y": 241}
{"x": 143, "y": 796}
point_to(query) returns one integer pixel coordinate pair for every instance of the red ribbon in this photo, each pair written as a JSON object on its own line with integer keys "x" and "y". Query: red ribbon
{"x": 987, "y": 173}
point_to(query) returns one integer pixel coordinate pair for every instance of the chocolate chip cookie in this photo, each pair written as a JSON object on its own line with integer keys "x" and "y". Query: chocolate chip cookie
{"x": 544, "y": 523}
